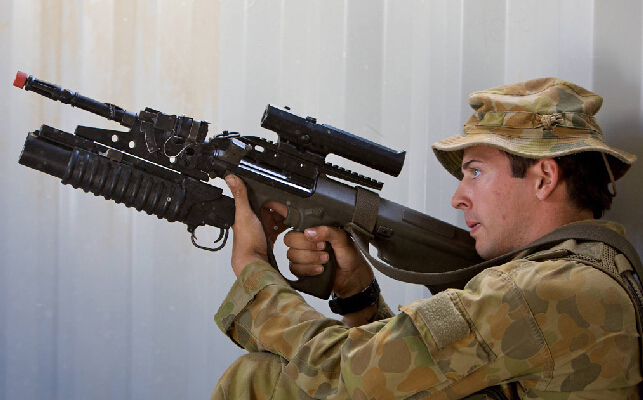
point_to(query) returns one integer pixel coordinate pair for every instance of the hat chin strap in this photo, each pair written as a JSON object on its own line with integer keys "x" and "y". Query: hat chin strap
{"x": 609, "y": 172}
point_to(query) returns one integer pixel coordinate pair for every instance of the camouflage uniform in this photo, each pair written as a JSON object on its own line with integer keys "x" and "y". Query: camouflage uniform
{"x": 550, "y": 321}
{"x": 547, "y": 325}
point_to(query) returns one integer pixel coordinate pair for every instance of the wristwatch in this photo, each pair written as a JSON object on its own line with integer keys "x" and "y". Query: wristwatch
{"x": 357, "y": 302}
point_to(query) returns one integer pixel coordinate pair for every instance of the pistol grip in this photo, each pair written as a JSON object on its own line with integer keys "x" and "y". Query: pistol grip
{"x": 320, "y": 285}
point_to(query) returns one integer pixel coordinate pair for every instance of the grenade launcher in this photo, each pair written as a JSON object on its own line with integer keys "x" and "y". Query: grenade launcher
{"x": 163, "y": 165}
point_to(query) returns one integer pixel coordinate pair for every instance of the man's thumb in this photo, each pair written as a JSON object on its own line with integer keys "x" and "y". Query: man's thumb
{"x": 238, "y": 190}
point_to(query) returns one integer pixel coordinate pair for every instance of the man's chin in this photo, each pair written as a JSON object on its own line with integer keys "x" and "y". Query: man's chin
{"x": 485, "y": 252}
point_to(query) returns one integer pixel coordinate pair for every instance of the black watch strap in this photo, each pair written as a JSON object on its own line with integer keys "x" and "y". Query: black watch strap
{"x": 356, "y": 302}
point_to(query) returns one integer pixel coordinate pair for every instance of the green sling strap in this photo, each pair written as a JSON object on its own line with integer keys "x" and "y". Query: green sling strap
{"x": 577, "y": 230}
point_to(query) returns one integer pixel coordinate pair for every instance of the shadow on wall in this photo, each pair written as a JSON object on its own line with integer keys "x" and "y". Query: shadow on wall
{"x": 621, "y": 120}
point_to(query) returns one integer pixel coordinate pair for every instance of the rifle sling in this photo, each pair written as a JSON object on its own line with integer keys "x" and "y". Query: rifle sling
{"x": 578, "y": 231}
{"x": 367, "y": 205}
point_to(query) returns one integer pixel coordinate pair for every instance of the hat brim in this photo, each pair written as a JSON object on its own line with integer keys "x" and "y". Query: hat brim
{"x": 450, "y": 150}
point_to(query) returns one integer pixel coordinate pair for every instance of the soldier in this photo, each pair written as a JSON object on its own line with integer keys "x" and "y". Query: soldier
{"x": 551, "y": 324}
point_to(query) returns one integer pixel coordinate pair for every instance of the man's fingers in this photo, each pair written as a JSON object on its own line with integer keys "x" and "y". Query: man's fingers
{"x": 297, "y": 240}
{"x": 306, "y": 257}
{"x": 306, "y": 269}
{"x": 314, "y": 238}
{"x": 299, "y": 256}
{"x": 337, "y": 237}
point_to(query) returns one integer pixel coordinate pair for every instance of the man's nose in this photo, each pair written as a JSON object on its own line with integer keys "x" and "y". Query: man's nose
{"x": 459, "y": 200}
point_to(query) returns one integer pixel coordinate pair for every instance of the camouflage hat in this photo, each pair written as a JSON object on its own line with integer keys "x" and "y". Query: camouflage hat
{"x": 540, "y": 118}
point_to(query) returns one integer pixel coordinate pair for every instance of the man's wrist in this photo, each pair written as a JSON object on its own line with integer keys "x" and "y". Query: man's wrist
{"x": 362, "y": 317}
{"x": 356, "y": 302}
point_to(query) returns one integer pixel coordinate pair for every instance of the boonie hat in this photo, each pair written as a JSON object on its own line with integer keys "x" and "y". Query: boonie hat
{"x": 539, "y": 118}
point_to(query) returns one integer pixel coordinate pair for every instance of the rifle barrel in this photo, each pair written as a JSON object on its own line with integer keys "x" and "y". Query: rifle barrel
{"x": 55, "y": 92}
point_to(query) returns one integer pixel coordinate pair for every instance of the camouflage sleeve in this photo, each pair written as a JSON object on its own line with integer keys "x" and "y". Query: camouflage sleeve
{"x": 555, "y": 326}
{"x": 434, "y": 346}
{"x": 481, "y": 336}
{"x": 254, "y": 277}
{"x": 252, "y": 280}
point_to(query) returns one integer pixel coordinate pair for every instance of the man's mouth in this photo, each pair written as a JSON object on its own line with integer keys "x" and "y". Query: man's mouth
{"x": 473, "y": 226}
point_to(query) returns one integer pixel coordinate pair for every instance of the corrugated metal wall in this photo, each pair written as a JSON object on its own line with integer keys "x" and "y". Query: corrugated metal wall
{"x": 99, "y": 301}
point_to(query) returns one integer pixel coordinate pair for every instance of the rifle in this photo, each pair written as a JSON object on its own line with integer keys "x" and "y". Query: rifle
{"x": 163, "y": 165}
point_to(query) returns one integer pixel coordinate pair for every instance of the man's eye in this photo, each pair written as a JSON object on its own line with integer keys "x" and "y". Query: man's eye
{"x": 475, "y": 172}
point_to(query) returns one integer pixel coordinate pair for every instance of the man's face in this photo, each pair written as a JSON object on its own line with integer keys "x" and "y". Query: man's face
{"x": 498, "y": 208}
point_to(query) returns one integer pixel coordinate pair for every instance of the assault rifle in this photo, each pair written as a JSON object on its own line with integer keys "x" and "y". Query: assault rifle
{"x": 163, "y": 165}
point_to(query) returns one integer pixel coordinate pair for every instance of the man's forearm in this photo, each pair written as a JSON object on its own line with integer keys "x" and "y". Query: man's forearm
{"x": 256, "y": 276}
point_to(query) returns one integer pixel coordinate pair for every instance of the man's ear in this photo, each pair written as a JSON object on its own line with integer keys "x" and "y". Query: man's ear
{"x": 546, "y": 174}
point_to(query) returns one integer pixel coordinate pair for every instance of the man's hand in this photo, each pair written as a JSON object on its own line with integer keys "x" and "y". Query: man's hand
{"x": 353, "y": 274}
{"x": 249, "y": 240}
{"x": 307, "y": 254}
{"x": 306, "y": 251}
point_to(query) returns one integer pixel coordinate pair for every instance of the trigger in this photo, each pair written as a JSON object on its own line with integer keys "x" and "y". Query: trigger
{"x": 293, "y": 218}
